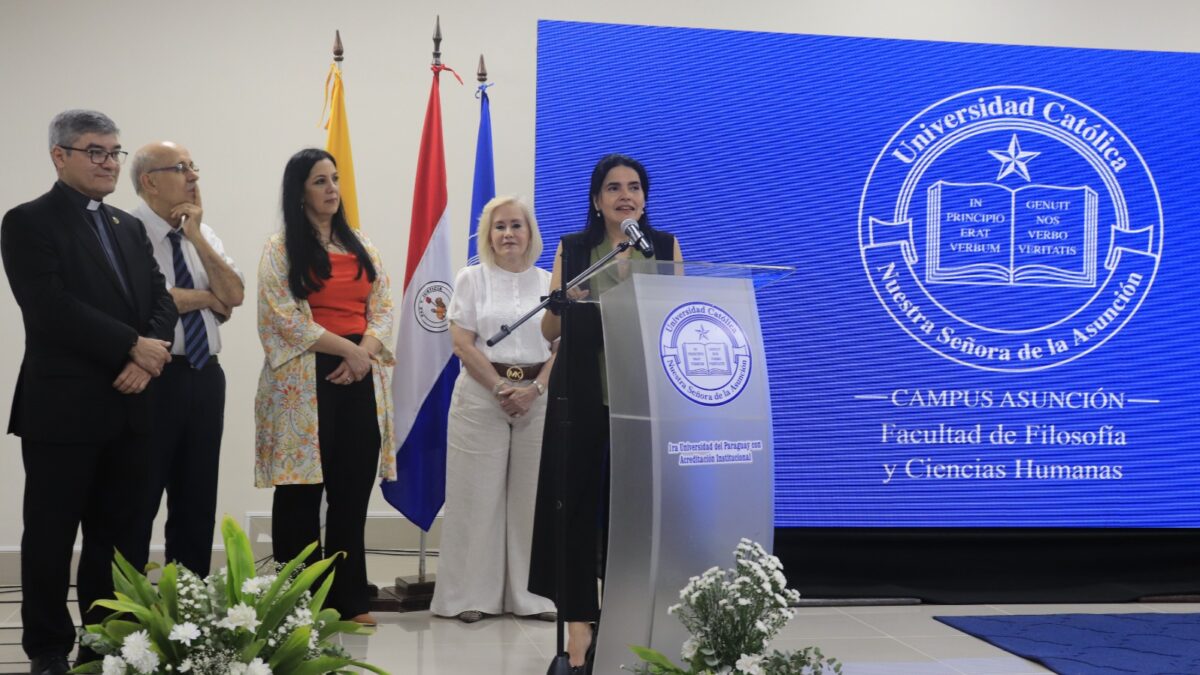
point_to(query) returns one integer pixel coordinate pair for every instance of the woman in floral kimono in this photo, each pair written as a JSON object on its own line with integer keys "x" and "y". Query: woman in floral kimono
{"x": 323, "y": 410}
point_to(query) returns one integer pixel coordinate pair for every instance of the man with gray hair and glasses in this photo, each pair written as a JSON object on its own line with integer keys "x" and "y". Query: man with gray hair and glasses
{"x": 98, "y": 328}
{"x": 189, "y": 398}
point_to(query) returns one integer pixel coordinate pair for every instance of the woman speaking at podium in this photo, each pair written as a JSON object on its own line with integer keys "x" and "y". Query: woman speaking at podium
{"x": 618, "y": 192}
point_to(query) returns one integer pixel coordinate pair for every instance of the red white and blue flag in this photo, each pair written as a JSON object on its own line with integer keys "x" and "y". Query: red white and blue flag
{"x": 425, "y": 363}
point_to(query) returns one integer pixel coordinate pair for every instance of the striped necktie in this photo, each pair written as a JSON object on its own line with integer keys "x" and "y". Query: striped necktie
{"x": 195, "y": 336}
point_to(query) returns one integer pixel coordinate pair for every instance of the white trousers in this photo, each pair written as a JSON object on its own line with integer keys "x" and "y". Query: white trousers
{"x": 487, "y": 527}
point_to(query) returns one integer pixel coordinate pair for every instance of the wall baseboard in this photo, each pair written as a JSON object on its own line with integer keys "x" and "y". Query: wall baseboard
{"x": 384, "y": 531}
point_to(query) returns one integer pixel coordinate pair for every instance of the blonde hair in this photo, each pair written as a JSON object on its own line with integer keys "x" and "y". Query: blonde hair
{"x": 483, "y": 232}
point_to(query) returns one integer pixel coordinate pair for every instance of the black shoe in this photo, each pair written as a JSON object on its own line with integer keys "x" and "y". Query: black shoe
{"x": 49, "y": 665}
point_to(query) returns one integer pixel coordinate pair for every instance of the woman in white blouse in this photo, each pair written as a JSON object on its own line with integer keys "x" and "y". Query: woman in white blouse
{"x": 495, "y": 428}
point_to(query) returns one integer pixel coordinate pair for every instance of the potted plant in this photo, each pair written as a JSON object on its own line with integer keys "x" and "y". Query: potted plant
{"x": 235, "y": 621}
{"x": 732, "y": 615}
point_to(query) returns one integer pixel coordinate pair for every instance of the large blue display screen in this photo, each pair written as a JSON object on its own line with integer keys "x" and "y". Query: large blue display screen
{"x": 994, "y": 316}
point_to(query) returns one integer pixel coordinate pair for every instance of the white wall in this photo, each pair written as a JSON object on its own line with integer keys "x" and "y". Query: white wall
{"x": 240, "y": 84}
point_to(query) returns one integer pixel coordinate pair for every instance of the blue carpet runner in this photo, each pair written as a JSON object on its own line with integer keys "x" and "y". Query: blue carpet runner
{"x": 1094, "y": 644}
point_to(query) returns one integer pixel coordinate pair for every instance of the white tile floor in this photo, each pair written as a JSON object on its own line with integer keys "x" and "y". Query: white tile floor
{"x": 868, "y": 640}
{"x": 873, "y": 640}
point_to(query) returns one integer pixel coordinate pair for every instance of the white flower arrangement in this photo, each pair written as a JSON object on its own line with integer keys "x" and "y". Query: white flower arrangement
{"x": 232, "y": 623}
{"x": 732, "y": 616}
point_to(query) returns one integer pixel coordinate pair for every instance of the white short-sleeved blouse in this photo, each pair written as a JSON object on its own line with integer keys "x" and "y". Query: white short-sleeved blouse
{"x": 487, "y": 297}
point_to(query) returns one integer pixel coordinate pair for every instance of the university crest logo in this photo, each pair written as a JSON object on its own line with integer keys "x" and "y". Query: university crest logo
{"x": 704, "y": 353}
{"x": 1010, "y": 228}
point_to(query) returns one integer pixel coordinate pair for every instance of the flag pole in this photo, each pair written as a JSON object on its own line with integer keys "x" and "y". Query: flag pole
{"x": 415, "y": 593}
{"x": 437, "y": 61}
{"x": 483, "y": 187}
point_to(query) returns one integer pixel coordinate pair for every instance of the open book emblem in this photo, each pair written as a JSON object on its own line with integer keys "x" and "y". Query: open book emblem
{"x": 706, "y": 358}
{"x": 986, "y": 233}
{"x": 1017, "y": 267}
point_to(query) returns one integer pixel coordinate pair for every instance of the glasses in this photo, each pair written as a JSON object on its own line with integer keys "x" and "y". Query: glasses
{"x": 178, "y": 168}
{"x": 100, "y": 155}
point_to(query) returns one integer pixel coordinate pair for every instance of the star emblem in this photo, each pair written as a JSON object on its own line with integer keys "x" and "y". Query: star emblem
{"x": 1013, "y": 160}
{"x": 702, "y": 332}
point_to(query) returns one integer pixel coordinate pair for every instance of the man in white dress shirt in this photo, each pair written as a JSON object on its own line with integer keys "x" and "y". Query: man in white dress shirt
{"x": 189, "y": 405}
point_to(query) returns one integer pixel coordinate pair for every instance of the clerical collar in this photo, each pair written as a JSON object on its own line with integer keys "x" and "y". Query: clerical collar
{"x": 83, "y": 201}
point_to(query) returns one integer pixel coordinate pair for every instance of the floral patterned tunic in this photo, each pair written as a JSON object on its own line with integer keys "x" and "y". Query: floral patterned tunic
{"x": 287, "y": 450}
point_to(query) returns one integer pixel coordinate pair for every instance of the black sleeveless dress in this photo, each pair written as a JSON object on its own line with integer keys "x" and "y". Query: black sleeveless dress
{"x": 586, "y": 453}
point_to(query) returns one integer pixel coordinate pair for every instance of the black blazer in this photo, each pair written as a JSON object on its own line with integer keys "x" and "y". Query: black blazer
{"x": 79, "y": 324}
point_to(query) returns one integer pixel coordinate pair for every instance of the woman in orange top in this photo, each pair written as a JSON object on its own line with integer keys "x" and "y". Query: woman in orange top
{"x": 323, "y": 411}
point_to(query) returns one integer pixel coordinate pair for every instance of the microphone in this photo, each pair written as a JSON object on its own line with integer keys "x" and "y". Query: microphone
{"x": 634, "y": 232}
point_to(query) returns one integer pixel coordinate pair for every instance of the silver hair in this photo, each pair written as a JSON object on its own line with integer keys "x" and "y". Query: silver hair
{"x": 69, "y": 125}
{"x": 483, "y": 237}
{"x": 138, "y": 167}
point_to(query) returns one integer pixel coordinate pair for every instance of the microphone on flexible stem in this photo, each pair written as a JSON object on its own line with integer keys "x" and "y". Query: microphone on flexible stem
{"x": 634, "y": 232}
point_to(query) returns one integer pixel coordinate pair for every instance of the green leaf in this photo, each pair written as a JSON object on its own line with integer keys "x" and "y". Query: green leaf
{"x": 321, "y": 665}
{"x": 133, "y": 608}
{"x": 159, "y": 629}
{"x": 367, "y": 666}
{"x": 346, "y": 627}
{"x": 284, "y": 574}
{"x": 318, "y": 599}
{"x": 120, "y": 583}
{"x": 656, "y": 658}
{"x": 326, "y": 615}
{"x": 252, "y": 651}
{"x": 329, "y": 664}
{"x": 142, "y": 591}
{"x": 288, "y": 600}
{"x": 239, "y": 557}
{"x": 292, "y": 651}
{"x": 89, "y": 667}
{"x": 117, "y": 630}
{"x": 169, "y": 592}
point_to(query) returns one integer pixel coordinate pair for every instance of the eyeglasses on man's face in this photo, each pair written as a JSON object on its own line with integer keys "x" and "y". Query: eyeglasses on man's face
{"x": 100, "y": 155}
{"x": 178, "y": 168}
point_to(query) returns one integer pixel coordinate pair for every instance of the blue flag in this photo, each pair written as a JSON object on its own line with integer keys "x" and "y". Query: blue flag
{"x": 485, "y": 173}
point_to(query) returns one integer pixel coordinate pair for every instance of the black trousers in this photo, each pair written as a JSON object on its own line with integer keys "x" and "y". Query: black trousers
{"x": 349, "y": 435}
{"x": 189, "y": 416}
{"x": 91, "y": 485}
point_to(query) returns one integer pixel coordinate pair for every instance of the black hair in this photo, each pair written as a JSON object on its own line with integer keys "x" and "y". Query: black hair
{"x": 595, "y": 231}
{"x": 308, "y": 261}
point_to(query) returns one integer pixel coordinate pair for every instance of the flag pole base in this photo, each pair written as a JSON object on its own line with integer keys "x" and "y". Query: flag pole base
{"x": 410, "y": 594}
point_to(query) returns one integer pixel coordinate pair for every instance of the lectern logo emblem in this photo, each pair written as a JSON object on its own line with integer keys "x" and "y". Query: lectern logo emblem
{"x": 1010, "y": 228}
{"x": 704, "y": 353}
{"x": 431, "y": 306}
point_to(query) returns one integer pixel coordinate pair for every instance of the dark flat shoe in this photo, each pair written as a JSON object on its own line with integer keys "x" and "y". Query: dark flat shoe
{"x": 48, "y": 665}
{"x": 470, "y": 616}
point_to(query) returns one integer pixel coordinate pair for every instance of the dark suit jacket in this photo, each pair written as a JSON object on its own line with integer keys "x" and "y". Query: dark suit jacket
{"x": 79, "y": 324}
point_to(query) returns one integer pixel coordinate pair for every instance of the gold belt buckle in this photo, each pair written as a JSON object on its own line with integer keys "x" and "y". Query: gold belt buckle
{"x": 515, "y": 373}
